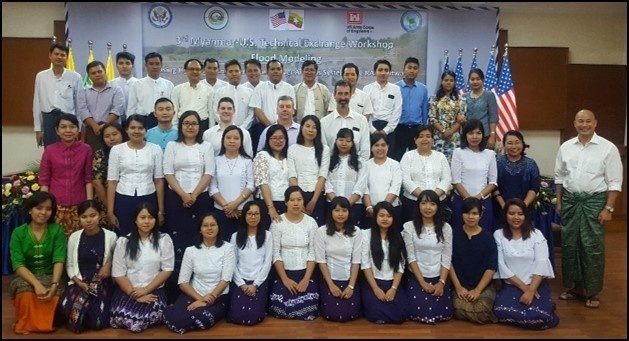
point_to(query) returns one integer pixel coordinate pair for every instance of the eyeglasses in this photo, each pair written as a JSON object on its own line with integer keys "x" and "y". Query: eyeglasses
{"x": 190, "y": 124}
{"x": 253, "y": 214}
{"x": 277, "y": 139}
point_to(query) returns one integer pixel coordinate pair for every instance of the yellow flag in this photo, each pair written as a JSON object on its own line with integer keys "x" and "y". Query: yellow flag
{"x": 109, "y": 70}
{"x": 70, "y": 60}
{"x": 87, "y": 81}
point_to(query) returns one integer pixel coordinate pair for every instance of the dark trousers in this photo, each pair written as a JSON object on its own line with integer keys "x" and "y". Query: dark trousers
{"x": 404, "y": 139}
{"x": 49, "y": 126}
{"x": 255, "y": 131}
{"x": 92, "y": 139}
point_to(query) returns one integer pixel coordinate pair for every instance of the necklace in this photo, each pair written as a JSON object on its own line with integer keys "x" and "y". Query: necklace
{"x": 231, "y": 164}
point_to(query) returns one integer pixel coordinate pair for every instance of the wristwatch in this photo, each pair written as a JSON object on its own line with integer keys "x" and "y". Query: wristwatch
{"x": 609, "y": 208}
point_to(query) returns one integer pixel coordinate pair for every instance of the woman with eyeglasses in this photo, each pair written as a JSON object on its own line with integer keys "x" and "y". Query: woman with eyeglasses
{"x": 253, "y": 246}
{"x": 188, "y": 169}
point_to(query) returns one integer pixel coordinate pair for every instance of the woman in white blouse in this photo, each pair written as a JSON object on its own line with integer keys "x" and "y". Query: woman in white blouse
{"x": 206, "y": 271}
{"x": 142, "y": 262}
{"x": 232, "y": 183}
{"x": 474, "y": 174}
{"x": 338, "y": 252}
{"x": 347, "y": 176}
{"x": 253, "y": 247}
{"x": 428, "y": 240}
{"x": 423, "y": 168}
{"x": 295, "y": 291}
{"x": 225, "y": 110}
{"x": 270, "y": 172}
{"x": 523, "y": 265}
{"x": 188, "y": 169}
{"x": 382, "y": 262}
{"x": 135, "y": 175}
{"x": 308, "y": 162}
{"x": 384, "y": 179}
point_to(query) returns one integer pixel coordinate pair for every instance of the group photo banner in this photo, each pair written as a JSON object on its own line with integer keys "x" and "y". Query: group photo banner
{"x": 331, "y": 35}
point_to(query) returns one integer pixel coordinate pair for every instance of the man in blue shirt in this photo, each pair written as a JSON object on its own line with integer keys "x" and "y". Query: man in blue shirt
{"x": 414, "y": 108}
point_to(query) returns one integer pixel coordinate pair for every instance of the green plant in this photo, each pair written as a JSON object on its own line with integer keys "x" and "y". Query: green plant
{"x": 545, "y": 198}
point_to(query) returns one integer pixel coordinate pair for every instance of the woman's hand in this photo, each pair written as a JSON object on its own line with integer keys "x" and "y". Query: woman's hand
{"x": 290, "y": 285}
{"x": 196, "y": 304}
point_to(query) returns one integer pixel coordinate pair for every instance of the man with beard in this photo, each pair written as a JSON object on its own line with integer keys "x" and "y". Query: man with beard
{"x": 344, "y": 117}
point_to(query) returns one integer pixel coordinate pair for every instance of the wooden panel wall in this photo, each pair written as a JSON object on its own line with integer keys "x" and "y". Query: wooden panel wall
{"x": 540, "y": 78}
{"x": 602, "y": 89}
{"x": 22, "y": 59}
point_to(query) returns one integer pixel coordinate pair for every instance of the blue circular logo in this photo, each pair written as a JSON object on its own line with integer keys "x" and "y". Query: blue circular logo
{"x": 160, "y": 16}
{"x": 411, "y": 21}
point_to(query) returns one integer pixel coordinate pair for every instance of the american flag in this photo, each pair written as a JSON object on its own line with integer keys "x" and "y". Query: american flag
{"x": 490, "y": 76}
{"x": 507, "y": 108}
{"x": 278, "y": 19}
{"x": 472, "y": 67}
{"x": 460, "y": 77}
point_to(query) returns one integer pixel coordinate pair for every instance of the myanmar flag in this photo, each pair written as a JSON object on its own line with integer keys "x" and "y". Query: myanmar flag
{"x": 295, "y": 19}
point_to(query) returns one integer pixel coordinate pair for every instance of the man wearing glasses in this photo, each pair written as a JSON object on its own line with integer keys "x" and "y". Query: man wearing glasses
{"x": 194, "y": 95}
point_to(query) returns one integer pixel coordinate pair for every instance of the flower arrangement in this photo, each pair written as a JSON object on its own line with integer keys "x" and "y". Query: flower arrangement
{"x": 19, "y": 188}
{"x": 546, "y": 197}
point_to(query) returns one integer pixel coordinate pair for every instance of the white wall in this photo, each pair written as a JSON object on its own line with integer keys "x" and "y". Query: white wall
{"x": 595, "y": 33}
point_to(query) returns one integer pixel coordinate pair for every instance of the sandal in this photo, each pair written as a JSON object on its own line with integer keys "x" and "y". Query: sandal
{"x": 569, "y": 295}
{"x": 593, "y": 302}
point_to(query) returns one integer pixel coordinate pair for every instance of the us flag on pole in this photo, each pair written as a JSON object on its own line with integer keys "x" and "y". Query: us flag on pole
{"x": 507, "y": 108}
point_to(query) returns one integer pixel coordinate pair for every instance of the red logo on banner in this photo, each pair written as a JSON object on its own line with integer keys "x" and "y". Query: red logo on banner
{"x": 354, "y": 17}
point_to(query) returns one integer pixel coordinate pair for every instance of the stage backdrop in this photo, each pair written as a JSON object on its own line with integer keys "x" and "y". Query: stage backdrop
{"x": 332, "y": 35}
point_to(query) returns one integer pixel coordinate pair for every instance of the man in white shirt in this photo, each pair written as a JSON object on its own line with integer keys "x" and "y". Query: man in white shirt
{"x": 360, "y": 101}
{"x": 344, "y": 117}
{"x": 311, "y": 97}
{"x": 211, "y": 68}
{"x": 285, "y": 114}
{"x": 386, "y": 99}
{"x": 214, "y": 135}
{"x": 124, "y": 63}
{"x": 56, "y": 90}
{"x": 588, "y": 179}
{"x": 253, "y": 70}
{"x": 241, "y": 95}
{"x": 194, "y": 95}
{"x": 144, "y": 92}
{"x": 265, "y": 96}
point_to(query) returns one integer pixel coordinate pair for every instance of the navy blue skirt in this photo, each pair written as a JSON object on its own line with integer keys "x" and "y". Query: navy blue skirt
{"x": 383, "y": 312}
{"x": 540, "y": 314}
{"x": 336, "y": 308}
{"x": 178, "y": 319}
{"x": 128, "y": 313}
{"x": 300, "y": 306}
{"x": 424, "y": 307}
{"x": 247, "y": 310}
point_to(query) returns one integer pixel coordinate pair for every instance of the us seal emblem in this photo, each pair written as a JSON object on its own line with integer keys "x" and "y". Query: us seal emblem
{"x": 160, "y": 16}
{"x": 216, "y": 18}
{"x": 411, "y": 21}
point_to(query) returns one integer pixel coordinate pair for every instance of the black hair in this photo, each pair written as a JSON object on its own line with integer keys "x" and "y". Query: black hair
{"x": 441, "y": 92}
{"x": 37, "y": 199}
{"x": 101, "y": 136}
{"x": 151, "y": 55}
{"x": 125, "y": 55}
{"x": 397, "y": 250}
{"x": 199, "y": 238}
{"x": 468, "y": 127}
{"x": 180, "y": 138}
{"x": 526, "y": 227}
{"x": 348, "y": 225}
{"x": 438, "y": 220}
{"x": 241, "y": 149}
{"x": 133, "y": 243}
{"x": 318, "y": 145}
{"x": 242, "y": 235}
{"x": 267, "y": 144}
{"x": 519, "y": 136}
{"x": 335, "y": 158}
{"x": 67, "y": 117}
